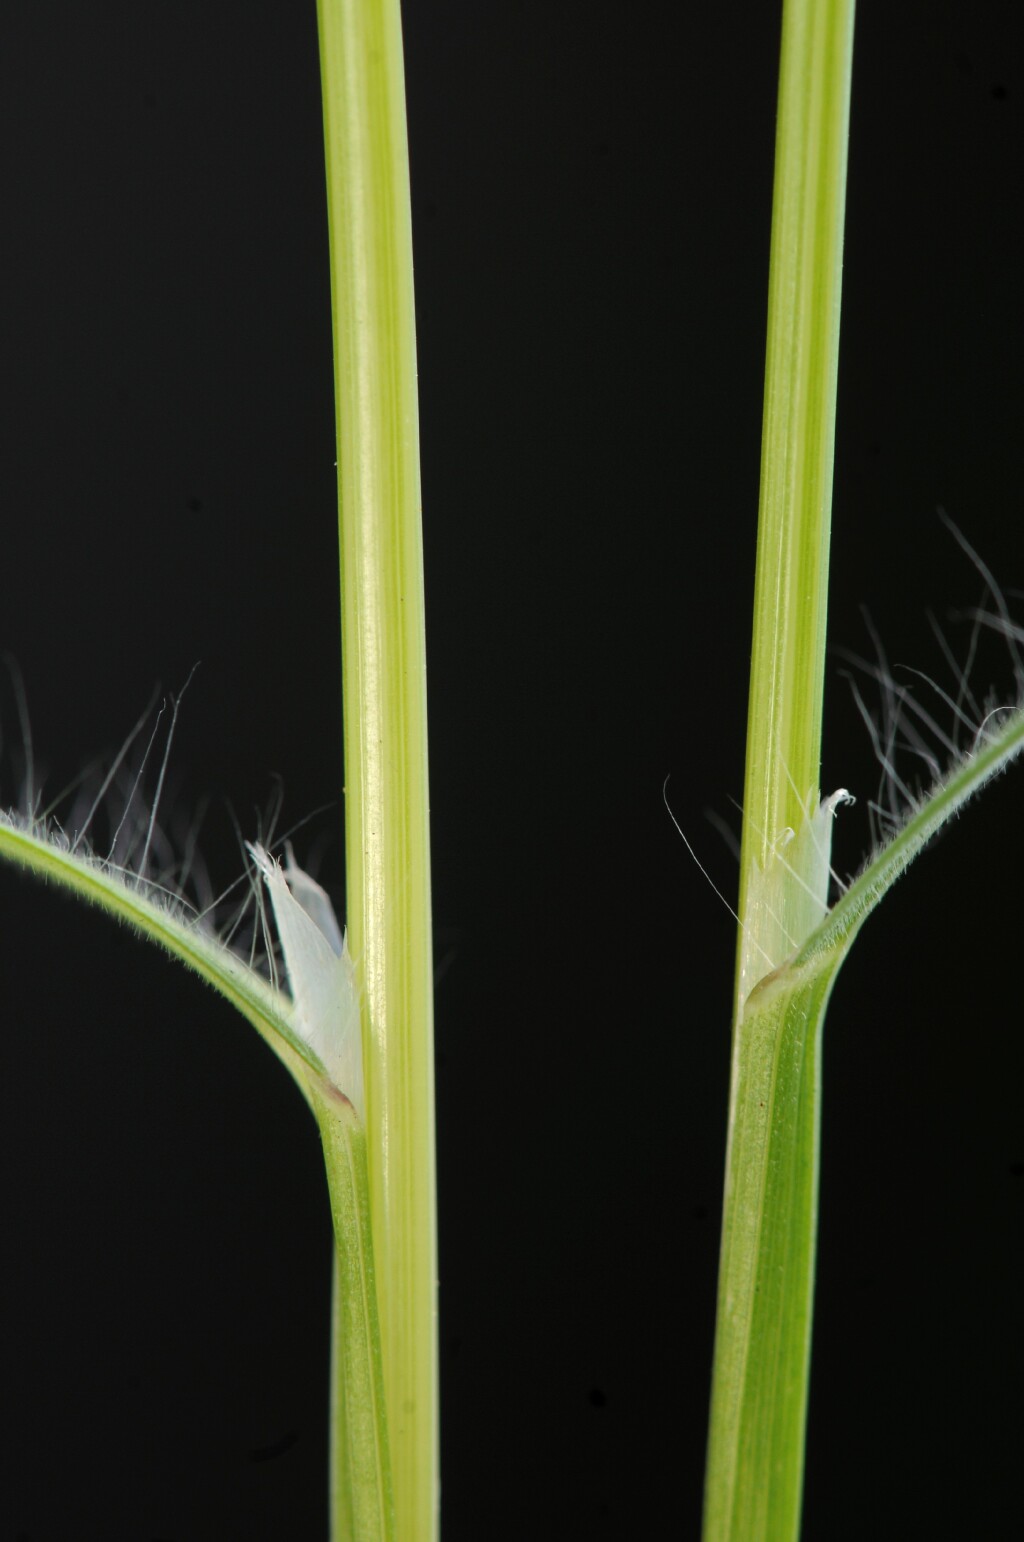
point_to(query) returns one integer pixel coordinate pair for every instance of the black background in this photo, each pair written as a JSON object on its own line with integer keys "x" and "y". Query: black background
{"x": 591, "y": 189}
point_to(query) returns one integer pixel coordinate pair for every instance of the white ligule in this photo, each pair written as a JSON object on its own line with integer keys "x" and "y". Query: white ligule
{"x": 319, "y": 969}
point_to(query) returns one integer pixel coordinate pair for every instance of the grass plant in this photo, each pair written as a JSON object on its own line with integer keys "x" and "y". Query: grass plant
{"x": 790, "y": 945}
{"x": 354, "y": 1029}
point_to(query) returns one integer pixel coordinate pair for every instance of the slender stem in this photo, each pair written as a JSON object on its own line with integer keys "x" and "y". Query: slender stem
{"x": 798, "y": 435}
{"x": 383, "y": 659}
{"x": 762, "y": 1339}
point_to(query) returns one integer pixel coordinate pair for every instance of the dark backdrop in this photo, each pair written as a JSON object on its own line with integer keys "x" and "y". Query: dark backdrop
{"x": 591, "y": 188}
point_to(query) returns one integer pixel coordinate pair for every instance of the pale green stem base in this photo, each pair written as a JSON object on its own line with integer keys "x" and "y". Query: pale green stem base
{"x": 362, "y": 1505}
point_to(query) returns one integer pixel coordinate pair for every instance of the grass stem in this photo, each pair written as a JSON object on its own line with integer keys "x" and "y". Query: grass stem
{"x": 762, "y": 1339}
{"x": 798, "y": 435}
{"x": 384, "y": 682}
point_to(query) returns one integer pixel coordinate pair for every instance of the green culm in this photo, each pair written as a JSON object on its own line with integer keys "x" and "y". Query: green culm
{"x": 790, "y": 946}
{"x": 355, "y": 1026}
